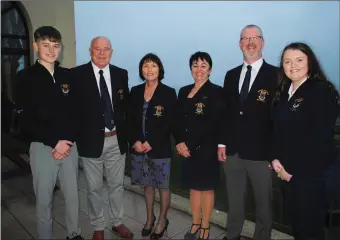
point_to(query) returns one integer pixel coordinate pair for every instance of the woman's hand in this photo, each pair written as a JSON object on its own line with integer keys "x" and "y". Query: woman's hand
{"x": 183, "y": 150}
{"x": 146, "y": 147}
{"x": 280, "y": 170}
{"x": 139, "y": 147}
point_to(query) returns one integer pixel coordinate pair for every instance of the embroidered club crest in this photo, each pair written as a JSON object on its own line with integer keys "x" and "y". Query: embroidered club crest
{"x": 199, "y": 108}
{"x": 121, "y": 93}
{"x": 262, "y": 95}
{"x": 65, "y": 89}
{"x": 296, "y": 104}
{"x": 158, "y": 111}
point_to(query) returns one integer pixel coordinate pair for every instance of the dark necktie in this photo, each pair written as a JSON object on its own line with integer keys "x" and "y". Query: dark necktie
{"x": 245, "y": 86}
{"x": 106, "y": 102}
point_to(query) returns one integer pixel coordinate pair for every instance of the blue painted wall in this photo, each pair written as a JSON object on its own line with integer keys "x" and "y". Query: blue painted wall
{"x": 174, "y": 30}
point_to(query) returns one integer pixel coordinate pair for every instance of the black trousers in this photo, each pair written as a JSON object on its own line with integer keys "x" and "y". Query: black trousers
{"x": 305, "y": 201}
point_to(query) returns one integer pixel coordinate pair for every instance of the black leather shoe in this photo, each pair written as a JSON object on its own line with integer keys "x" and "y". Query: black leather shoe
{"x": 77, "y": 237}
{"x": 147, "y": 232}
{"x": 156, "y": 236}
{"x": 225, "y": 238}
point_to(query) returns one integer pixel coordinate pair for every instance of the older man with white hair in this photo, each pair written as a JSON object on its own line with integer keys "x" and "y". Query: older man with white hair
{"x": 100, "y": 92}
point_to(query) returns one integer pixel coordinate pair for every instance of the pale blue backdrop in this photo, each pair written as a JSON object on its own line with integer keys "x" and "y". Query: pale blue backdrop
{"x": 174, "y": 30}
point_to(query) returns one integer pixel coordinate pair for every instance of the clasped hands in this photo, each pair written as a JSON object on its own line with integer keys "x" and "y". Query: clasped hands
{"x": 281, "y": 172}
{"x": 62, "y": 149}
{"x": 183, "y": 150}
{"x": 142, "y": 147}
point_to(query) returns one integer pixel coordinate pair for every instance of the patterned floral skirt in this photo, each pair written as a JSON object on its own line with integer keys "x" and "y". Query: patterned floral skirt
{"x": 150, "y": 172}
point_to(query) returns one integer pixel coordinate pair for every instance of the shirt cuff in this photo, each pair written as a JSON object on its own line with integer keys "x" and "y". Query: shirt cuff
{"x": 221, "y": 145}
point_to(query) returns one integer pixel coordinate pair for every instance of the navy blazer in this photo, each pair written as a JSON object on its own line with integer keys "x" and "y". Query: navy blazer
{"x": 246, "y": 128}
{"x": 158, "y": 122}
{"x": 87, "y": 109}
{"x": 303, "y": 137}
{"x": 197, "y": 122}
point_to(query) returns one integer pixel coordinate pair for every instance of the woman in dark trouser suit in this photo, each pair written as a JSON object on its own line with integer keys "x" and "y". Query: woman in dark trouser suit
{"x": 198, "y": 113}
{"x": 304, "y": 115}
{"x": 150, "y": 126}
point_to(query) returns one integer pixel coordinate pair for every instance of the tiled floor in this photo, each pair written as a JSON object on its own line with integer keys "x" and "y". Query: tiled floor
{"x": 18, "y": 221}
{"x": 18, "y": 213}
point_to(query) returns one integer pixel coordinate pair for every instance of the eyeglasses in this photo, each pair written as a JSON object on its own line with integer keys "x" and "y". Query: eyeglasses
{"x": 247, "y": 39}
{"x": 99, "y": 50}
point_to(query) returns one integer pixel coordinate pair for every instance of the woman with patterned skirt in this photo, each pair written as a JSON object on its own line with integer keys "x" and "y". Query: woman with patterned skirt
{"x": 150, "y": 128}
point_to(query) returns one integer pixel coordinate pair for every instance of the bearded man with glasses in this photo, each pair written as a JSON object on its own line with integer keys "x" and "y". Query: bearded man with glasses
{"x": 245, "y": 132}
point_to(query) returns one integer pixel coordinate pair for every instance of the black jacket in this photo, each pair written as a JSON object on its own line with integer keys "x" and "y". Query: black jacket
{"x": 197, "y": 122}
{"x": 246, "y": 127}
{"x": 90, "y": 124}
{"x": 158, "y": 121}
{"x": 46, "y": 115}
{"x": 303, "y": 137}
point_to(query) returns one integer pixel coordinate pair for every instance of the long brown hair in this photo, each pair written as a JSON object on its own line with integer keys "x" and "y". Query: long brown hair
{"x": 315, "y": 71}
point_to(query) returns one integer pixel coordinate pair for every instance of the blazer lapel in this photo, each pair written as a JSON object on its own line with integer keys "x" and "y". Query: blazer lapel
{"x": 154, "y": 97}
{"x": 257, "y": 82}
{"x": 93, "y": 81}
{"x": 236, "y": 81}
{"x": 114, "y": 85}
{"x": 202, "y": 93}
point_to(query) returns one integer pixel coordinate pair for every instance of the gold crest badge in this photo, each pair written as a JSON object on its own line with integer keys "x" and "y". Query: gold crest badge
{"x": 262, "y": 95}
{"x": 296, "y": 104}
{"x": 121, "y": 93}
{"x": 199, "y": 108}
{"x": 65, "y": 89}
{"x": 158, "y": 111}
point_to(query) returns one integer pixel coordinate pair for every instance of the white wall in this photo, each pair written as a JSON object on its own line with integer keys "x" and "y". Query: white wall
{"x": 176, "y": 29}
{"x": 59, "y": 14}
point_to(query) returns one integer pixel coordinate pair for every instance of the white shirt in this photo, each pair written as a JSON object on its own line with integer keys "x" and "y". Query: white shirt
{"x": 107, "y": 77}
{"x": 290, "y": 90}
{"x": 255, "y": 67}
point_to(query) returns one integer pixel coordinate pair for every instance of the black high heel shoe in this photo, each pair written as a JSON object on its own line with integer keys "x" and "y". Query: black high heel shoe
{"x": 147, "y": 232}
{"x": 192, "y": 235}
{"x": 204, "y": 229}
{"x": 156, "y": 236}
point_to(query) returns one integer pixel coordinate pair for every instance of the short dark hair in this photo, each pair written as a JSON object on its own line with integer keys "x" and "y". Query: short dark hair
{"x": 150, "y": 57}
{"x": 47, "y": 32}
{"x": 202, "y": 56}
{"x": 315, "y": 71}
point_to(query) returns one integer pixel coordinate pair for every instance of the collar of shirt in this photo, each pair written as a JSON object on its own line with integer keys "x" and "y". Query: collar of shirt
{"x": 290, "y": 90}
{"x": 254, "y": 70}
{"x": 48, "y": 71}
{"x": 106, "y": 71}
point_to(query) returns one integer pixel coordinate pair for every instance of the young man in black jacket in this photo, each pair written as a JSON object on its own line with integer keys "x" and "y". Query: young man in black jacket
{"x": 44, "y": 95}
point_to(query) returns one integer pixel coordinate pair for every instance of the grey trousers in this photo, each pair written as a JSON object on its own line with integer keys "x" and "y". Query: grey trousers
{"x": 45, "y": 171}
{"x": 114, "y": 164}
{"x": 237, "y": 171}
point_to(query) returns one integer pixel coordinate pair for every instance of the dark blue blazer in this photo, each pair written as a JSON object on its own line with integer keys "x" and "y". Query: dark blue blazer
{"x": 246, "y": 127}
{"x": 303, "y": 137}
{"x": 159, "y": 122}
{"x": 87, "y": 109}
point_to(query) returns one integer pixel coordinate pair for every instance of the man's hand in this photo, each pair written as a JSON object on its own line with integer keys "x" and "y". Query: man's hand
{"x": 58, "y": 156}
{"x": 183, "y": 150}
{"x": 62, "y": 149}
{"x": 139, "y": 147}
{"x": 147, "y": 147}
{"x": 221, "y": 154}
